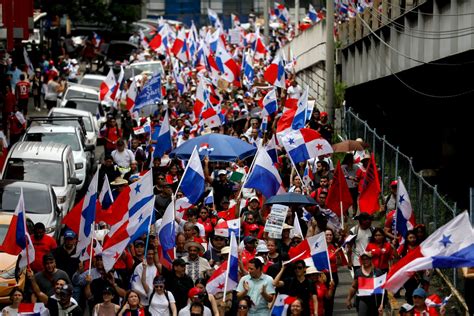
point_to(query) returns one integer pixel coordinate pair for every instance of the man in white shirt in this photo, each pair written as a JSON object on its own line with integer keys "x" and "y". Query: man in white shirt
{"x": 294, "y": 91}
{"x": 122, "y": 156}
{"x": 143, "y": 276}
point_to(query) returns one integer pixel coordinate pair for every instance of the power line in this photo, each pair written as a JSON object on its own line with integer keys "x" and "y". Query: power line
{"x": 428, "y": 14}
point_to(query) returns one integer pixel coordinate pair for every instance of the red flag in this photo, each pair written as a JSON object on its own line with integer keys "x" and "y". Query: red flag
{"x": 370, "y": 192}
{"x": 339, "y": 192}
{"x": 285, "y": 120}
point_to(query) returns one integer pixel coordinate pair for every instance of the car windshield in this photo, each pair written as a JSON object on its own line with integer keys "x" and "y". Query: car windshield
{"x": 91, "y": 82}
{"x": 61, "y": 138}
{"x": 49, "y": 172}
{"x": 85, "y": 119}
{"x": 154, "y": 68}
{"x": 71, "y": 94}
{"x": 37, "y": 201}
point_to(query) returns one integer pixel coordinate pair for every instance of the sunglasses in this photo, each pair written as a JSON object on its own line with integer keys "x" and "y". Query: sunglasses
{"x": 243, "y": 307}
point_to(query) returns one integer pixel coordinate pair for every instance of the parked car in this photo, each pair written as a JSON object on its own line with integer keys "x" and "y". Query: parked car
{"x": 40, "y": 203}
{"x": 90, "y": 121}
{"x": 67, "y": 135}
{"x": 92, "y": 81}
{"x": 49, "y": 163}
{"x": 78, "y": 92}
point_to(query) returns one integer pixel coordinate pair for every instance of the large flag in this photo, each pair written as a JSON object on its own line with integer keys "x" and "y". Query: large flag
{"x": 286, "y": 120}
{"x": 163, "y": 143}
{"x": 213, "y": 17}
{"x": 271, "y": 149}
{"x": 82, "y": 215}
{"x": 304, "y": 144}
{"x": 136, "y": 203}
{"x": 370, "y": 192}
{"x": 180, "y": 47}
{"x": 167, "y": 237}
{"x": 249, "y": 72}
{"x": 339, "y": 195}
{"x": 405, "y": 217}
{"x": 229, "y": 69}
{"x": 226, "y": 228}
{"x": 200, "y": 97}
{"x": 17, "y": 240}
{"x": 107, "y": 87}
{"x": 259, "y": 49}
{"x": 450, "y": 246}
{"x": 370, "y": 286}
{"x": 232, "y": 272}
{"x": 314, "y": 247}
{"x": 275, "y": 72}
{"x": 193, "y": 184}
{"x": 312, "y": 14}
{"x": 299, "y": 121}
{"x": 131, "y": 95}
{"x": 104, "y": 202}
{"x": 264, "y": 175}
{"x": 270, "y": 104}
{"x": 150, "y": 93}
{"x": 210, "y": 117}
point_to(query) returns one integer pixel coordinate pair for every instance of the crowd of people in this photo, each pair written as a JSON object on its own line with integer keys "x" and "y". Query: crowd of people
{"x": 139, "y": 284}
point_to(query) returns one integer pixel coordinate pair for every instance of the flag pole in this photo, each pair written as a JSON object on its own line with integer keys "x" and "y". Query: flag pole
{"x": 329, "y": 262}
{"x": 92, "y": 246}
{"x": 232, "y": 236}
{"x": 297, "y": 172}
{"x": 342, "y": 211}
{"x": 182, "y": 177}
{"x": 397, "y": 205}
{"x": 149, "y": 229}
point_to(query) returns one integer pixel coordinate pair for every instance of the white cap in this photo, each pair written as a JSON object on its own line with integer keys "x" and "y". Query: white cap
{"x": 222, "y": 171}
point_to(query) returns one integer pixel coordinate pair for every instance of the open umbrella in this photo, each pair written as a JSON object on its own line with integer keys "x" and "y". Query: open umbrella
{"x": 217, "y": 147}
{"x": 291, "y": 198}
{"x": 347, "y": 145}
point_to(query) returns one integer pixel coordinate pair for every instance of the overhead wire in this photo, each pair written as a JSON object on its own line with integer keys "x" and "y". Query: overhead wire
{"x": 403, "y": 10}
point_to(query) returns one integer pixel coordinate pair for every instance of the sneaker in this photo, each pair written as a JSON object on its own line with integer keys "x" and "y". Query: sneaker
{"x": 45, "y": 107}
{"x": 38, "y": 109}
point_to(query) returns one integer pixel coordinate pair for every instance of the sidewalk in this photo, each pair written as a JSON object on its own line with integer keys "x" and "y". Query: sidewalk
{"x": 345, "y": 282}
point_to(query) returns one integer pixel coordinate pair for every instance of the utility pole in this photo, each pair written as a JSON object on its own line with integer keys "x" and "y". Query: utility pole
{"x": 266, "y": 30}
{"x": 297, "y": 16}
{"x": 330, "y": 60}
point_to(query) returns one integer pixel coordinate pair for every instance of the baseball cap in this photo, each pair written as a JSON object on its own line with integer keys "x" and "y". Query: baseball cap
{"x": 222, "y": 171}
{"x": 254, "y": 198}
{"x": 323, "y": 114}
{"x": 419, "y": 292}
{"x": 262, "y": 248}
{"x": 249, "y": 239}
{"x": 69, "y": 234}
{"x": 138, "y": 242}
{"x": 195, "y": 291}
{"x": 394, "y": 183}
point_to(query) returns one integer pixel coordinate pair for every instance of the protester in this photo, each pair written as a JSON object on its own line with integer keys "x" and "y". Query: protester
{"x": 132, "y": 305}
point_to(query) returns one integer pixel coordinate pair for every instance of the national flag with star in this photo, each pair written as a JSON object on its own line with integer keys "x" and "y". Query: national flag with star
{"x": 314, "y": 247}
{"x": 182, "y": 205}
{"x": 281, "y": 12}
{"x": 271, "y": 149}
{"x": 160, "y": 41}
{"x": 450, "y": 246}
{"x": 167, "y": 237}
{"x": 229, "y": 69}
{"x": 275, "y": 72}
{"x": 259, "y": 49}
{"x": 249, "y": 72}
{"x": 270, "y": 103}
{"x": 136, "y": 204}
{"x": 17, "y": 240}
{"x": 264, "y": 176}
{"x": 312, "y": 14}
{"x": 209, "y": 199}
{"x": 104, "y": 202}
{"x": 370, "y": 191}
{"x": 192, "y": 183}
{"x": 235, "y": 20}
{"x": 96, "y": 39}
{"x": 225, "y": 228}
{"x": 200, "y": 97}
{"x": 82, "y": 215}
{"x": 299, "y": 121}
{"x": 370, "y": 286}
{"x": 107, "y": 87}
{"x": 405, "y": 217}
{"x": 304, "y": 144}
{"x": 213, "y": 17}
{"x": 232, "y": 272}
{"x": 210, "y": 117}
{"x": 180, "y": 47}
{"x": 31, "y": 309}
{"x": 132, "y": 93}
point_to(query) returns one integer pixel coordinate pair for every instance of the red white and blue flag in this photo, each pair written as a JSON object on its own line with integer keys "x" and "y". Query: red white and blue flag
{"x": 405, "y": 217}
{"x": 301, "y": 115}
{"x": 226, "y": 228}
{"x": 167, "y": 237}
{"x": 163, "y": 143}
{"x": 270, "y": 104}
{"x": 312, "y": 14}
{"x": 275, "y": 72}
{"x": 17, "y": 240}
{"x": 282, "y": 304}
{"x": 370, "y": 286}
{"x": 304, "y": 144}
{"x": 193, "y": 184}
{"x": 32, "y": 309}
{"x": 450, "y": 246}
{"x": 134, "y": 209}
{"x": 180, "y": 47}
{"x": 82, "y": 216}
{"x": 259, "y": 49}
{"x": 107, "y": 87}
{"x": 229, "y": 69}
{"x": 264, "y": 176}
{"x": 314, "y": 247}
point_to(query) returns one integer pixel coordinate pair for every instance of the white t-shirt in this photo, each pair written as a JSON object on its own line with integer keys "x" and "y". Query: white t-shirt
{"x": 124, "y": 158}
{"x": 159, "y": 305}
{"x": 187, "y": 311}
{"x": 294, "y": 92}
{"x": 361, "y": 242}
{"x": 137, "y": 285}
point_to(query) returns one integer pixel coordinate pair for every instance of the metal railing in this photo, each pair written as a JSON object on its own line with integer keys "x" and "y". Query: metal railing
{"x": 429, "y": 206}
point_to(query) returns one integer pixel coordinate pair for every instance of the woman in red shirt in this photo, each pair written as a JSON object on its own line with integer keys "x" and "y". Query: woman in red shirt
{"x": 382, "y": 251}
{"x": 323, "y": 293}
{"x": 206, "y": 221}
{"x": 334, "y": 253}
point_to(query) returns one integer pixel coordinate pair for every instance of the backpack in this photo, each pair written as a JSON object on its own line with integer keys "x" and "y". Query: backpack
{"x": 167, "y": 298}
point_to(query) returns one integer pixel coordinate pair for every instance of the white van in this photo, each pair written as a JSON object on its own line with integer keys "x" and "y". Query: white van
{"x": 50, "y": 163}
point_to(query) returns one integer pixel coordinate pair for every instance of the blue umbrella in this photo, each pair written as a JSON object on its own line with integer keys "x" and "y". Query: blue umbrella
{"x": 218, "y": 147}
{"x": 291, "y": 198}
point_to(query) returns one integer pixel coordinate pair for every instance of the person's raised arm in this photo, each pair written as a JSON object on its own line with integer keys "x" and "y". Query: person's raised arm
{"x": 36, "y": 290}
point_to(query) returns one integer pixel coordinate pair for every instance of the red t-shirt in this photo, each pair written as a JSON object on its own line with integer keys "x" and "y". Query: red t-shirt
{"x": 23, "y": 90}
{"x": 321, "y": 292}
{"x": 332, "y": 257}
{"x": 43, "y": 246}
{"x": 380, "y": 255}
{"x": 247, "y": 256}
{"x": 429, "y": 311}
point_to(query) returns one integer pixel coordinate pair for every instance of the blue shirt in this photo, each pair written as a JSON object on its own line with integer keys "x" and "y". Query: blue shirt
{"x": 255, "y": 289}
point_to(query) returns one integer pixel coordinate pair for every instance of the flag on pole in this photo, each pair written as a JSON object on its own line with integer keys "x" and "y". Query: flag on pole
{"x": 167, "y": 237}
{"x": 275, "y": 72}
{"x": 370, "y": 286}
{"x": 339, "y": 192}
{"x": 370, "y": 192}
{"x": 264, "y": 176}
{"x": 163, "y": 143}
{"x": 192, "y": 183}
{"x": 405, "y": 217}
{"x": 304, "y": 144}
